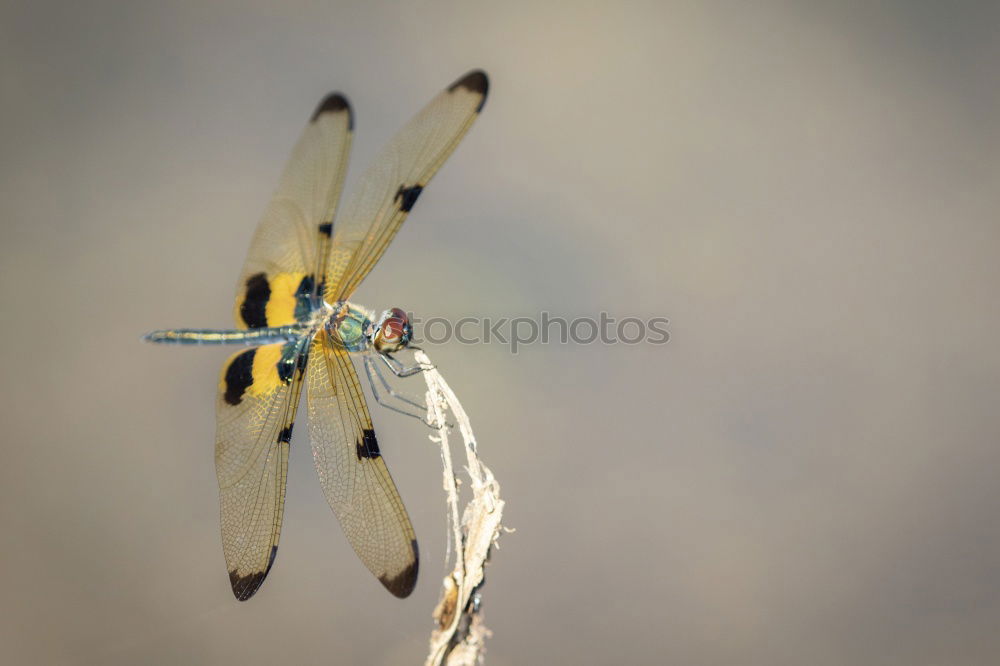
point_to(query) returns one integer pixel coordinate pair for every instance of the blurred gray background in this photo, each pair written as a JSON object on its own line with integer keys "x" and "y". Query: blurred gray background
{"x": 805, "y": 474}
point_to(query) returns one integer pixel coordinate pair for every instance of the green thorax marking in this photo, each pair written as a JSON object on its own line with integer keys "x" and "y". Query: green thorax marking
{"x": 351, "y": 326}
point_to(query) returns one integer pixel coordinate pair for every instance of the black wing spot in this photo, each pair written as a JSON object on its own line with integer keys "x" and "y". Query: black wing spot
{"x": 326, "y": 229}
{"x": 407, "y": 196}
{"x": 368, "y": 446}
{"x": 239, "y": 377}
{"x": 475, "y": 81}
{"x": 286, "y": 434}
{"x": 254, "y": 306}
{"x": 334, "y": 103}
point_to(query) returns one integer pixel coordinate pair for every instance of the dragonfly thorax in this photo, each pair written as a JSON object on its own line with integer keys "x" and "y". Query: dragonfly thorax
{"x": 350, "y": 325}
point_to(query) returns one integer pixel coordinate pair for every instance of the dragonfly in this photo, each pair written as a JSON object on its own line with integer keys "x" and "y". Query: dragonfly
{"x": 294, "y": 315}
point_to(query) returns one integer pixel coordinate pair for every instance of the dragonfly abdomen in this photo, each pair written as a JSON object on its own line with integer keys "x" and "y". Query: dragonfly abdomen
{"x": 206, "y": 336}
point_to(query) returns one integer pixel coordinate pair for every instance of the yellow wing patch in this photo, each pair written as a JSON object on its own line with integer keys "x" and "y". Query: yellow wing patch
{"x": 271, "y": 300}
{"x": 266, "y": 378}
{"x": 280, "y": 308}
{"x": 258, "y": 371}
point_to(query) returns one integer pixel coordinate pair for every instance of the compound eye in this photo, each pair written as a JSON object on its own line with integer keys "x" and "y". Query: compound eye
{"x": 392, "y": 329}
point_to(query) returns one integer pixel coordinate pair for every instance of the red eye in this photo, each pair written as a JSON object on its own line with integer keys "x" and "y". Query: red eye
{"x": 392, "y": 329}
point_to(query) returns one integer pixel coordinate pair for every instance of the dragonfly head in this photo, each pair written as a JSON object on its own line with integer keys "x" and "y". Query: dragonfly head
{"x": 393, "y": 331}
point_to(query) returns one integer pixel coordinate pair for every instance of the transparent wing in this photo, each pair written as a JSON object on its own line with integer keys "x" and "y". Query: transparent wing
{"x": 388, "y": 190}
{"x": 258, "y": 394}
{"x": 353, "y": 474}
{"x": 293, "y": 238}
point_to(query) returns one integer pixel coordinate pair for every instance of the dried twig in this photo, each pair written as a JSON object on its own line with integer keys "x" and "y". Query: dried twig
{"x": 460, "y": 635}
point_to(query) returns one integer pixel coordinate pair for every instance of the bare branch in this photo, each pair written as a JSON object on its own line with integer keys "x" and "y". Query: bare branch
{"x": 460, "y": 635}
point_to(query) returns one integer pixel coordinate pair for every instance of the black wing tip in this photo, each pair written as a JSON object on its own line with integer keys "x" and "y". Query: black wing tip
{"x": 335, "y": 102}
{"x": 245, "y": 587}
{"x": 475, "y": 81}
{"x": 402, "y": 585}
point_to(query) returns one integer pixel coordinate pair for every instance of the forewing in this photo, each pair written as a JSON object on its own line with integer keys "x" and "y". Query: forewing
{"x": 258, "y": 394}
{"x": 353, "y": 474}
{"x": 388, "y": 190}
{"x": 293, "y": 237}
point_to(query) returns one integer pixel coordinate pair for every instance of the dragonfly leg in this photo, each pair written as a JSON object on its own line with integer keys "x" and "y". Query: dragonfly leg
{"x": 373, "y": 372}
{"x": 398, "y": 368}
{"x": 385, "y": 384}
